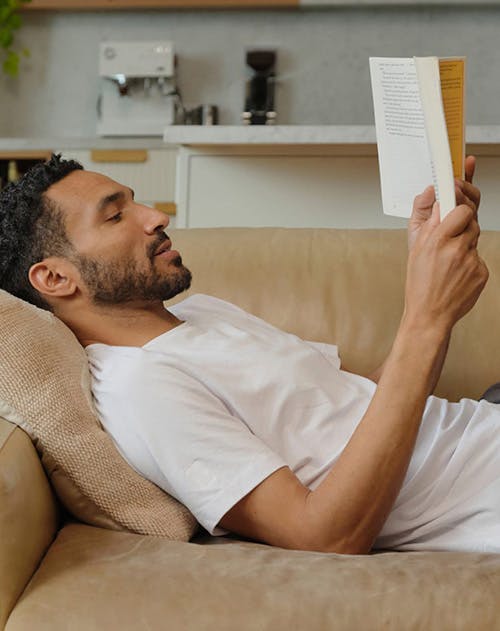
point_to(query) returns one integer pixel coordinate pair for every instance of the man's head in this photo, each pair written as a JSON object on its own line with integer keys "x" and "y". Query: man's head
{"x": 31, "y": 227}
{"x": 67, "y": 233}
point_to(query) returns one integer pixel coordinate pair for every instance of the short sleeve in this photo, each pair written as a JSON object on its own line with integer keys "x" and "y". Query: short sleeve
{"x": 174, "y": 431}
{"x": 329, "y": 351}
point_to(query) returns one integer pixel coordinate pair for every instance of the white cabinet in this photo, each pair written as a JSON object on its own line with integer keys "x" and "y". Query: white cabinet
{"x": 287, "y": 186}
{"x": 300, "y": 177}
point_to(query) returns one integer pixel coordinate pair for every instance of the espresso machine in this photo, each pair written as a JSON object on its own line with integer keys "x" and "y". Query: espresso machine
{"x": 138, "y": 93}
{"x": 259, "y": 92}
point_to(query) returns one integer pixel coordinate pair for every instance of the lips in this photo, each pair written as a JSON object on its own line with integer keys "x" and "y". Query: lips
{"x": 164, "y": 247}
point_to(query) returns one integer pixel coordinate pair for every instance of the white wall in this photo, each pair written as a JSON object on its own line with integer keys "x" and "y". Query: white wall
{"x": 323, "y": 61}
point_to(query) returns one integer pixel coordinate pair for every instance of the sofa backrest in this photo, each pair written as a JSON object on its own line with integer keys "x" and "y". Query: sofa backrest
{"x": 344, "y": 287}
{"x": 28, "y": 514}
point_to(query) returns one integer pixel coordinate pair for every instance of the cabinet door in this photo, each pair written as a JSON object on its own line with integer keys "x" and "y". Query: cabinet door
{"x": 268, "y": 186}
{"x": 259, "y": 187}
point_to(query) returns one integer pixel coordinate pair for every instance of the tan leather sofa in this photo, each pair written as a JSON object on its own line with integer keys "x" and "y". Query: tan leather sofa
{"x": 344, "y": 287}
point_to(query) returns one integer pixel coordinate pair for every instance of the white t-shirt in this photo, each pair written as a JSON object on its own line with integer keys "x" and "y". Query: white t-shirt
{"x": 211, "y": 408}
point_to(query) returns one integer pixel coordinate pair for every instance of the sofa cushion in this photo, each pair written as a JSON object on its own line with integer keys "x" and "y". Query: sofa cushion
{"x": 45, "y": 389}
{"x": 135, "y": 582}
{"x": 29, "y": 517}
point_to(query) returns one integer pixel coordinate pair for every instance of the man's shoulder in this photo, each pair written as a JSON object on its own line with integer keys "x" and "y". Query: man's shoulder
{"x": 137, "y": 375}
{"x": 121, "y": 363}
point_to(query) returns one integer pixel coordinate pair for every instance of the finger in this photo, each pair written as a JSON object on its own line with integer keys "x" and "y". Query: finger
{"x": 473, "y": 231}
{"x": 470, "y": 236}
{"x": 472, "y": 192}
{"x": 435, "y": 218}
{"x": 425, "y": 200}
{"x": 469, "y": 167}
{"x": 469, "y": 189}
{"x": 457, "y": 220}
{"x": 462, "y": 198}
{"x": 478, "y": 234}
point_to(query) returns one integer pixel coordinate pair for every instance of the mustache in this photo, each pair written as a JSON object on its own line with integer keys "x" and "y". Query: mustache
{"x": 162, "y": 236}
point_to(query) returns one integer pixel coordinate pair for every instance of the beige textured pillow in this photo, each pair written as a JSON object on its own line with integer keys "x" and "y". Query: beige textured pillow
{"x": 45, "y": 389}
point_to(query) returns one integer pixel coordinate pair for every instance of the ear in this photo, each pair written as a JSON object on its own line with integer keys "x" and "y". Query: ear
{"x": 53, "y": 278}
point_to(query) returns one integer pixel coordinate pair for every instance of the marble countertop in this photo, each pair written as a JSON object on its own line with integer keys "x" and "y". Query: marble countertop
{"x": 232, "y": 135}
{"x": 297, "y": 134}
{"x": 269, "y": 134}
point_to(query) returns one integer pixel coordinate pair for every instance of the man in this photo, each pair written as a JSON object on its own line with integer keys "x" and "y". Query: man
{"x": 301, "y": 455}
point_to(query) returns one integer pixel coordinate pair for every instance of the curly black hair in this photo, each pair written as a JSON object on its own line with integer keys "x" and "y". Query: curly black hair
{"x": 31, "y": 227}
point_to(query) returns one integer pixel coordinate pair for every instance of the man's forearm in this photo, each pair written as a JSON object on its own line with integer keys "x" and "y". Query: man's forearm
{"x": 378, "y": 372}
{"x": 373, "y": 465}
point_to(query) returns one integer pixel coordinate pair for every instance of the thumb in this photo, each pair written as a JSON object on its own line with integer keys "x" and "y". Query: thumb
{"x": 424, "y": 201}
{"x": 435, "y": 219}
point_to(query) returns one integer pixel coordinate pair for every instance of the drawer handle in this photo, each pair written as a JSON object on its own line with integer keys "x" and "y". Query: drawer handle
{"x": 170, "y": 208}
{"x": 119, "y": 155}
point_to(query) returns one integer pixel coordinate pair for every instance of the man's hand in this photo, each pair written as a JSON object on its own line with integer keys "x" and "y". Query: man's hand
{"x": 445, "y": 273}
{"x": 465, "y": 192}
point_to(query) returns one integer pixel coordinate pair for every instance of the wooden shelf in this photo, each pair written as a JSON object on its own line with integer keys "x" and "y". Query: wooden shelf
{"x": 90, "y": 5}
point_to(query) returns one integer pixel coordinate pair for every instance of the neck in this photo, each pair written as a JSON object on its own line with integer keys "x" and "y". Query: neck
{"x": 133, "y": 325}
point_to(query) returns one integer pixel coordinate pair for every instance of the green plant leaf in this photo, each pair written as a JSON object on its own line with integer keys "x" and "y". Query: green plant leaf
{"x": 11, "y": 64}
{"x": 4, "y": 13}
{"x": 6, "y": 38}
{"x": 11, "y": 21}
{"x": 14, "y": 21}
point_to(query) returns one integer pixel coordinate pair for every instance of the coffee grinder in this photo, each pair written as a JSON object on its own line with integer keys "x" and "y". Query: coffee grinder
{"x": 259, "y": 93}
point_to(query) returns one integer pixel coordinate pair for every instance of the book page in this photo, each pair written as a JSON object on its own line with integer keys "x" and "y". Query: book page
{"x": 452, "y": 75}
{"x": 403, "y": 153}
{"x": 437, "y": 134}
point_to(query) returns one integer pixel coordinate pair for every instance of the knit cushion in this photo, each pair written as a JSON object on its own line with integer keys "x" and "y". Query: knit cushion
{"x": 45, "y": 389}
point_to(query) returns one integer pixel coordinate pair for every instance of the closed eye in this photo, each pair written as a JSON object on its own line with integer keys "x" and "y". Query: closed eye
{"x": 115, "y": 218}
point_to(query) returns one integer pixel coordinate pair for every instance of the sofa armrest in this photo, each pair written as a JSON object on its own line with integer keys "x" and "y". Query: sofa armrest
{"x": 28, "y": 514}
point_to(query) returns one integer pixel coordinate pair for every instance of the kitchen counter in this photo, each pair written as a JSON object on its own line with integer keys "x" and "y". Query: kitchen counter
{"x": 298, "y": 134}
{"x": 267, "y": 135}
{"x": 233, "y": 135}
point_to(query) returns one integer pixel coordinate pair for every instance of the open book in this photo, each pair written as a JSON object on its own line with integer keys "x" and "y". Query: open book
{"x": 420, "y": 124}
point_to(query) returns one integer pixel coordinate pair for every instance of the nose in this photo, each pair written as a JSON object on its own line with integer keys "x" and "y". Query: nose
{"x": 154, "y": 220}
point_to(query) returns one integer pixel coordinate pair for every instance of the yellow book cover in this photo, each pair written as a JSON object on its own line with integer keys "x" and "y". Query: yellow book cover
{"x": 452, "y": 75}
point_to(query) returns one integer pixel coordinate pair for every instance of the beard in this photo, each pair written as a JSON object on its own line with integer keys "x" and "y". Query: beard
{"x": 121, "y": 283}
